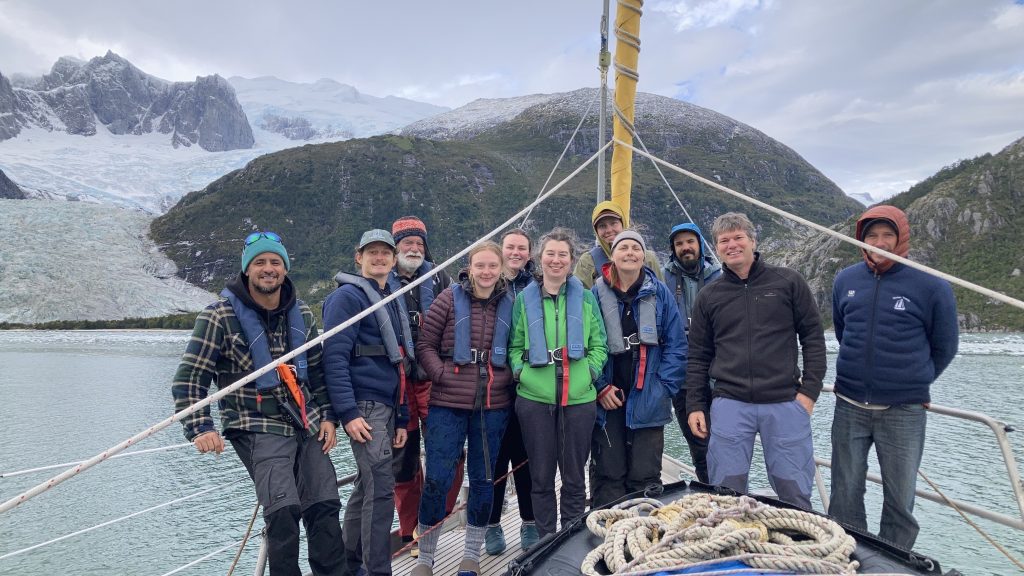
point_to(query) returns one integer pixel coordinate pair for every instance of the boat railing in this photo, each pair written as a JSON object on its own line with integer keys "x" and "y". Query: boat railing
{"x": 261, "y": 557}
{"x": 999, "y": 428}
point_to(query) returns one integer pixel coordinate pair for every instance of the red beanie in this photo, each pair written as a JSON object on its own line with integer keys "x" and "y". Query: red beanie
{"x": 409, "y": 226}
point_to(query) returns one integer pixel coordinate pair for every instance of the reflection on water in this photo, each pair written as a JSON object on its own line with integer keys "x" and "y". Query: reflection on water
{"x": 70, "y": 395}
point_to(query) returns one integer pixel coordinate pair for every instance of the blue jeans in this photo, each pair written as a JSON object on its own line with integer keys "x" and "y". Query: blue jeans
{"x": 445, "y": 432}
{"x": 898, "y": 436}
{"x": 785, "y": 429}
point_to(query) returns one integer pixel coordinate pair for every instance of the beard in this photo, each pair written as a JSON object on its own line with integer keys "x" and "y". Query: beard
{"x": 409, "y": 262}
{"x": 689, "y": 262}
{"x": 268, "y": 289}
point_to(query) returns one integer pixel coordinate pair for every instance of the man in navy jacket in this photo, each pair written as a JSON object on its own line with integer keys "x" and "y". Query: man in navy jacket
{"x": 365, "y": 370}
{"x": 897, "y": 332}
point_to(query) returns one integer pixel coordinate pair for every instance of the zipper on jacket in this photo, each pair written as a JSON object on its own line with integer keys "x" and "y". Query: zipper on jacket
{"x": 750, "y": 344}
{"x": 558, "y": 385}
{"x": 870, "y": 360}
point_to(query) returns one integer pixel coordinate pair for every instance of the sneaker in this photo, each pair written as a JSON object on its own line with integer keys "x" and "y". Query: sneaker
{"x": 421, "y": 570}
{"x": 414, "y": 552}
{"x": 528, "y": 535}
{"x": 495, "y": 540}
{"x": 469, "y": 567}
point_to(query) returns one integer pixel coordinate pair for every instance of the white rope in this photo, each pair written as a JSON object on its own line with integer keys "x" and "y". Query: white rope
{"x": 107, "y": 454}
{"x": 66, "y": 464}
{"x": 122, "y": 518}
{"x": 586, "y": 113}
{"x": 938, "y": 273}
{"x": 204, "y": 558}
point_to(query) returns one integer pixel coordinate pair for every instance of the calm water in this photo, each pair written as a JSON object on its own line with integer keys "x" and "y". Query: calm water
{"x": 70, "y": 395}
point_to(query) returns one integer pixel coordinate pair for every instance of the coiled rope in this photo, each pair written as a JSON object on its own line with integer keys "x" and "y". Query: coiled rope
{"x": 643, "y": 534}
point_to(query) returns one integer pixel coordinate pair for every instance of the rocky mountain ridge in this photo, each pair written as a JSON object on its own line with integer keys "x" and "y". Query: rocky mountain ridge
{"x": 79, "y": 98}
{"x": 9, "y": 189}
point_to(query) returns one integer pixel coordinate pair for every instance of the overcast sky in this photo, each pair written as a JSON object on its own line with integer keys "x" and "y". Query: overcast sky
{"x": 876, "y": 94}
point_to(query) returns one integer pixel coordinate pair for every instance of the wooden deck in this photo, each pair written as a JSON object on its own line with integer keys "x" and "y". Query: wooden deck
{"x": 451, "y": 543}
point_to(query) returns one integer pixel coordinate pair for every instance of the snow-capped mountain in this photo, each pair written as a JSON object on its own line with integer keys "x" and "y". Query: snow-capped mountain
{"x": 130, "y": 162}
{"x": 323, "y": 110}
{"x": 105, "y": 134}
{"x": 863, "y": 197}
{"x": 76, "y": 261}
{"x": 78, "y": 97}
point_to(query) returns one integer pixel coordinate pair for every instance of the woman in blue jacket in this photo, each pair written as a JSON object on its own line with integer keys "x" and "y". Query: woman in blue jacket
{"x": 646, "y": 368}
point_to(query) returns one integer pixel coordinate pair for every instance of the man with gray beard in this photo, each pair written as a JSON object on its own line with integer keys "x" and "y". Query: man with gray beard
{"x": 414, "y": 261}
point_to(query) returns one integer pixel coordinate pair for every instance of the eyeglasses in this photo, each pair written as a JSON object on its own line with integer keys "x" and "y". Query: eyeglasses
{"x": 272, "y": 236}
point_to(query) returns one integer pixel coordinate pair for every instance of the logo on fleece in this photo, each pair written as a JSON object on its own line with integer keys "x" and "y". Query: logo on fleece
{"x": 901, "y": 302}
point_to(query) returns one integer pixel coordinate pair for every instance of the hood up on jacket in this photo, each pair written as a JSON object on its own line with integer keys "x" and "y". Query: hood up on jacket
{"x": 702, "y": 258}
{"x": 606, "y": 206}
{"x": 898, "y": 220}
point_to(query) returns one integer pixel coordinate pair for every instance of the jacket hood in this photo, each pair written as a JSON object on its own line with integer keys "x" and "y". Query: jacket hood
{"x": 687, "y": 227}
{"x": 899, "y": 221}
{"x": 239, "y": 286}
{"x": 606, "y": 206}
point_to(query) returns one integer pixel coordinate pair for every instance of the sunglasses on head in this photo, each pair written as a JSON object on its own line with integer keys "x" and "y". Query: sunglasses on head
{"x": 272, "y": 236}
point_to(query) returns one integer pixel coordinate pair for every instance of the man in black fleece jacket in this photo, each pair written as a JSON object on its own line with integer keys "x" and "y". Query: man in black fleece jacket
{"x": 743, "y": 336}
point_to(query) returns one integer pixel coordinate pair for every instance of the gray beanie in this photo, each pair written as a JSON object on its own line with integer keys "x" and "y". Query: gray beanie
{"x": 629, "y": 235}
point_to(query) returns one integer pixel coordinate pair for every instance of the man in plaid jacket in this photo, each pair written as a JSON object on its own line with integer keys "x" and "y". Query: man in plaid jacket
{"x": 282, "y": 437}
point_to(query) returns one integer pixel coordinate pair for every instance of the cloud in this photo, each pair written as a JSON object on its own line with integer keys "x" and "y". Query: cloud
{"x": 874, "y": 93}
{"x": 708, "y": 13}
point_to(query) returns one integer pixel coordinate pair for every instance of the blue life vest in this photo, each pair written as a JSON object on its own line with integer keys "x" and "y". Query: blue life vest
{"x": 600, "y": 259}
{"x": 532, "y": 298}
{"x": 259, "y": 345}
{"x": 464, "y": 325}
{"x": 425, "y": 290}
{"x": 387, "y": 330}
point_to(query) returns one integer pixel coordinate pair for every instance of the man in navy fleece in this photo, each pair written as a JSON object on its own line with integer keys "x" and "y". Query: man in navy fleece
{"x": 365, "y": 371}
{"x": 897, "y": 332}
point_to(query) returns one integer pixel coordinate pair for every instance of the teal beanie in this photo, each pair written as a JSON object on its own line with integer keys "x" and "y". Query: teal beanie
{"x": 260, "y": 246}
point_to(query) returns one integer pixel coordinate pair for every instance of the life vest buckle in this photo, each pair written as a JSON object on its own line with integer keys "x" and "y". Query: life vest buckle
{"x": 629, "y": 342}
{"x": 554, "y": 356}
{"x": 480, "y": 356}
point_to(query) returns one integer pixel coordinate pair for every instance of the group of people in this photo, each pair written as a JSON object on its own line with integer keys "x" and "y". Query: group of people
{"x": 530, "y": 366}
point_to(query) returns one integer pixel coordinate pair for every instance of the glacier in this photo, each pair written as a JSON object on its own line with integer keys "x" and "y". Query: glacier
{"x": 81, "y": 261}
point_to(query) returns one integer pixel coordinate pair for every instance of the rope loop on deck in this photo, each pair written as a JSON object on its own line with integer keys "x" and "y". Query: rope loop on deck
{"x": 642, "y": 535}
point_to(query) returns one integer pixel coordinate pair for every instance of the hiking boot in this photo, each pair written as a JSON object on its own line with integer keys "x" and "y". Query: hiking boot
{"x": 469, "y": 567}
{"x": 495, "y": 540}
{"x": 421, "y": 570}
{"x": 528, "y": 535}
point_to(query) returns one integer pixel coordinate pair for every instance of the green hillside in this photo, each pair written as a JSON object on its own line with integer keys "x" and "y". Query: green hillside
{"x": 321, "y": 197}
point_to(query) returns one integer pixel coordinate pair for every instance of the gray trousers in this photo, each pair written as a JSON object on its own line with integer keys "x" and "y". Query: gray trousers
{"x": 557, "y": 438}
{"x": 371, "y": 507}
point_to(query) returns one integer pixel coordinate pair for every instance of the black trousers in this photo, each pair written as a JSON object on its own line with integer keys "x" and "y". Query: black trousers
{"x": 623, "y": 461}
{"x": 511, "y": 453}
{"x": 698, "y": 446}
{"x": 294, "y": 479}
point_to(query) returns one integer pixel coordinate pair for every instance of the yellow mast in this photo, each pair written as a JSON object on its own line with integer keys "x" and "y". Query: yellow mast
{"x": 627, "y": 54}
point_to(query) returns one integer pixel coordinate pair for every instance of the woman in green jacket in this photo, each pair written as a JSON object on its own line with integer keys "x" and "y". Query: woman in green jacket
{"x": 558, "y": 349}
